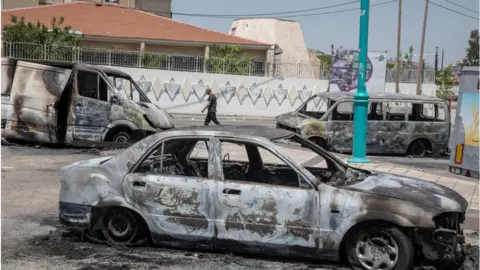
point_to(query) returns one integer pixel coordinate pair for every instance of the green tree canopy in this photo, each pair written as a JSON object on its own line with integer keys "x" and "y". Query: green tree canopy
{"x": 229, "y": 60}
{"x": 446, "y": 80}
{"x": 325, "y": 59}
{"x": 471, "y": 57}
{"x": 38, "y": 33}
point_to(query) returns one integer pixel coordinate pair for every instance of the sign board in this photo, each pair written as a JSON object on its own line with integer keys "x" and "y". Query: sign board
{"x": 344, "y": 71}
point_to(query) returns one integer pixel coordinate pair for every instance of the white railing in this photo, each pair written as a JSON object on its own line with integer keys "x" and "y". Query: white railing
{"x": 178, "y": 62}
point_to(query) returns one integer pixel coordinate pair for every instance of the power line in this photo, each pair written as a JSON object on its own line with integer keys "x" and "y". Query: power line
{"x": 452, "y": 10}
{"x": 264, "y": 14}
{"x": 453, "y": 3}
{"x": 288, "y": 16}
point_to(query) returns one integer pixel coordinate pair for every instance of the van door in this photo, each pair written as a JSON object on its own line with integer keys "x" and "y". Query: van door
{"x": 89, "y": 116}
{"x": 31, "y": 113}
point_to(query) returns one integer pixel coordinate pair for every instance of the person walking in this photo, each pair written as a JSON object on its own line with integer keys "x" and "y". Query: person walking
{"x": 212, "y": 108}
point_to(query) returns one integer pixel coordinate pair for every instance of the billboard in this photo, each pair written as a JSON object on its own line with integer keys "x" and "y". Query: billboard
{"x": 344, "y": 71}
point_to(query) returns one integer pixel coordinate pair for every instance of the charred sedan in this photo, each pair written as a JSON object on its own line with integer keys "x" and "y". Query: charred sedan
{"x": 236, "y": 187}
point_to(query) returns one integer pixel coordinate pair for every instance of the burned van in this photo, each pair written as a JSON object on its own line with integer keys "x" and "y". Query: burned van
{"x": 397, "y": 123}
{"x": 78, "y": 104}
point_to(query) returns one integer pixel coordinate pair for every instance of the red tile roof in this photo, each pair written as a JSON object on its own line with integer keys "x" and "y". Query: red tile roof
{"x": 115, "y": 21}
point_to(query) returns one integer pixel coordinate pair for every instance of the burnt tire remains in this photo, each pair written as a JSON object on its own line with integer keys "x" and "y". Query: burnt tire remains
{"x": 379, "y": 247}
{"x": 122, "y": 137}
{"x": 122, "y": 227}
{"x": 419, "y": 148}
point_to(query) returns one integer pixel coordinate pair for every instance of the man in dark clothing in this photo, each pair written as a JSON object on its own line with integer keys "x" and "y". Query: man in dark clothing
{"x": 212, "y": 108}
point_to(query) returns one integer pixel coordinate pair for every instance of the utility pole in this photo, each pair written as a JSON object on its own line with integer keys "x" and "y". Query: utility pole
{"x": 399, "y": 35}
{"x": 442, "y": 57}
{"x": 360, "y": 99}
{"x": 420, "y": 62}
{"x": 436, "y": 59}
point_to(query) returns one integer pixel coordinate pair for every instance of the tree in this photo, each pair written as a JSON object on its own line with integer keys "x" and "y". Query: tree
{"x": 38, "y": 33}
{"x": 446, "y": 80}
{"x": 30, "y": 38}
{"x": 325, "y": 60}
{"x": 230, "y": 60}
{"x": 471, "y": 57}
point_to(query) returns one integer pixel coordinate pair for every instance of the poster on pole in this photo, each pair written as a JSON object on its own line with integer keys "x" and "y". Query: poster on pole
{"x": 344, "y": 71}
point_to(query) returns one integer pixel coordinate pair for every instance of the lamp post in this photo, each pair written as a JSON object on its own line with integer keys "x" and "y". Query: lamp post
{"x": 360, "y": 100}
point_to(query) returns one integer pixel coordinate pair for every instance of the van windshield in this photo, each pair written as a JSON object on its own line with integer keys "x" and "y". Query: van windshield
{"x": 128, "y": 88}
{"x": 315, "y": 107}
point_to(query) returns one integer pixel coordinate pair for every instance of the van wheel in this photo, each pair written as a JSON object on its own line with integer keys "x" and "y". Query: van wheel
{"x": 418, "y": 148}
{"x": 122, "y": 137}
{"x": 379, "y": 247}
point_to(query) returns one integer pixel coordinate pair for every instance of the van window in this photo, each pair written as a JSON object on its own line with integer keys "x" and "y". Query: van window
{"x": 440, "y": 112}
{"x": 378, "y": 115}
{"x": 396, "y": 111}
{"x": 428, "y": 112}
{"x": 91, "y": 85}
{"x": 344, "y": 111}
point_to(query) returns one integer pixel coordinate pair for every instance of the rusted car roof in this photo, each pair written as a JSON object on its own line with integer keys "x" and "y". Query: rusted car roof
{"x": 249, "y": 130}
{"x": 393, "y": 96}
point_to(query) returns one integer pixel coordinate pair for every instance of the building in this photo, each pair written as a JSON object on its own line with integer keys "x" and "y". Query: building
{"x": 159, "y": 7}
{"x": 114, "y": 27}
{"x": 287, "y": 34}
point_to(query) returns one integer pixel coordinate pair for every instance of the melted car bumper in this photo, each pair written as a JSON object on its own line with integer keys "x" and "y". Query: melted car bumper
{"x": 75, "y": 216}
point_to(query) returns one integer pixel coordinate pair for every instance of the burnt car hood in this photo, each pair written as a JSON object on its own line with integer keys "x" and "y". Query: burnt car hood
{"x": 417, "y": 191}
{"x": 160, "y": 118}
{"x": 291, "y": 119}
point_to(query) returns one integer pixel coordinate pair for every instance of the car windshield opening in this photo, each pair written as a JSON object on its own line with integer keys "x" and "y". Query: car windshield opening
{"x": 314, "y": 107}
{"x": 128, "y": 88}
{"x": 326, "y": 168}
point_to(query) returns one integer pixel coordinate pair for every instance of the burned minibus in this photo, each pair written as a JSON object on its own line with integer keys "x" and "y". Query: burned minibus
{"x": 75, "y": 104}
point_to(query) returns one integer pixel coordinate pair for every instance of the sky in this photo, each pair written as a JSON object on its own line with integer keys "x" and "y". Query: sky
{"x": 445, "y": 28}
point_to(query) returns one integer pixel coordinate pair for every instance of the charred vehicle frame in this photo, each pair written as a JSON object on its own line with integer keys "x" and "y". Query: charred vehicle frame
{"x": 397, "y": 123}
{"x": 75, "y": 103}
{"x": 158, "y": 189}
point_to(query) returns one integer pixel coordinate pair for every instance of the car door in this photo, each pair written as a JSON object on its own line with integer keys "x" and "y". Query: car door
{"x": 342, "y": 126}
{"x": 89, "y": 116}
{"x": 260, "y": 214}
{"x": 29, "y": 112}
{"x": 177, "y": 201}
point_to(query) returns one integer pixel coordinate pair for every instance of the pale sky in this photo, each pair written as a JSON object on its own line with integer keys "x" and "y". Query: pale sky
{"x": 445, "y": 28}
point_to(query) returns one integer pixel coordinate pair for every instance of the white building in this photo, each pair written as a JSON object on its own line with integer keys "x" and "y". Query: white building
{"x": 287, "y": 35}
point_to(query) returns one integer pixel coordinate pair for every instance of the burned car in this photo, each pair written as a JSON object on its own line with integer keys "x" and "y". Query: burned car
{"x": 75, "y": 103}
{"x": 397, "y": 124}
{"x": 236, "y": 187}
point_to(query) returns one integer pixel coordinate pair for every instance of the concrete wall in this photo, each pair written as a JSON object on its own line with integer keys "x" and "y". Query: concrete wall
{"x": 182, "y": 92}
{"x": 287, "y": 34}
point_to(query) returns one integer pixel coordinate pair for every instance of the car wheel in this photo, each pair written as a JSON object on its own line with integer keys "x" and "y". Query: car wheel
{"x": 122, "y": 137}
{"x": 120, "y": 226}
{"x": 379, "y": 247}
{"x": 418, "y": 148}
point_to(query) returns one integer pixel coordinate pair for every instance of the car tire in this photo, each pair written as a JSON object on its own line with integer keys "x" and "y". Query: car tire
{"x": 122, "y": 137}
{"x": 368, "y": 246}
{"x": 418, "y": 148}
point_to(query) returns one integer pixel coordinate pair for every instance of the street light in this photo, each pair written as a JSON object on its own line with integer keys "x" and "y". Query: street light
{"x": 360, "y": 99}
